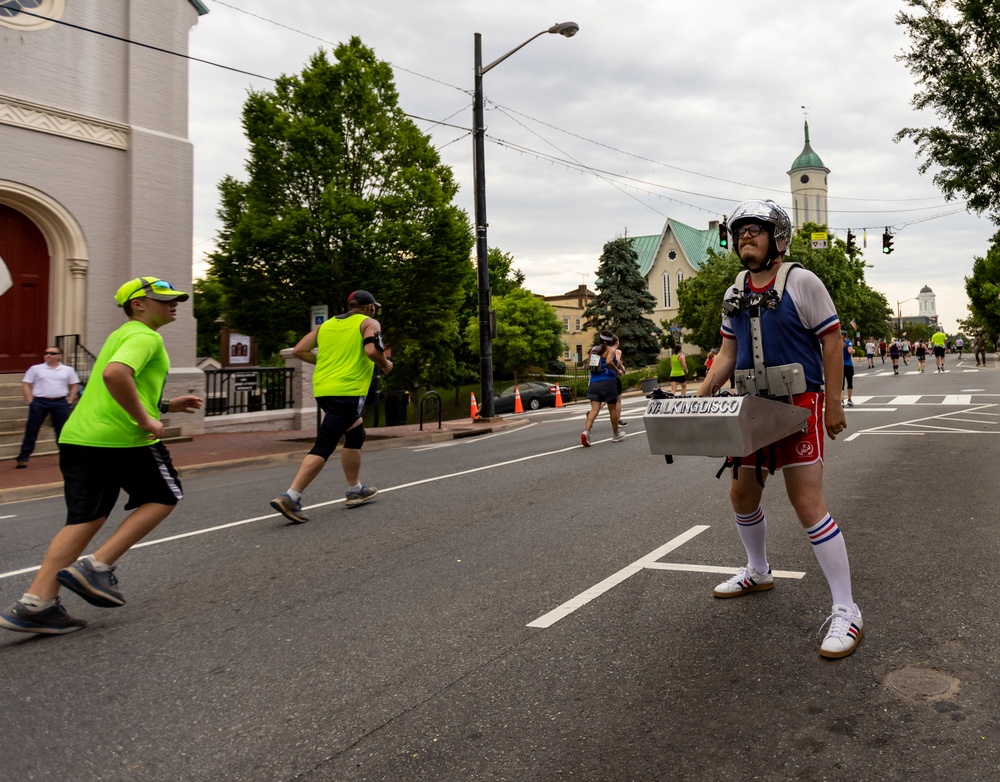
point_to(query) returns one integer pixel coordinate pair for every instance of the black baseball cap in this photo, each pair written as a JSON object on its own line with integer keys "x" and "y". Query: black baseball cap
{"x": 362, "y": 298}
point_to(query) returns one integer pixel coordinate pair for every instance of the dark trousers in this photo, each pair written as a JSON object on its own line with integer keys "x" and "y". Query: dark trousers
{"x": 57, "y": 408}
{"x": 981, "y": 352}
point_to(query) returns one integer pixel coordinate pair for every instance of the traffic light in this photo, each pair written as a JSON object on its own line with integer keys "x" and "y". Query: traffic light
{"x": 723, "y": 234}
{"x": 851, "y": 247}
{"x": 886, "y": 241}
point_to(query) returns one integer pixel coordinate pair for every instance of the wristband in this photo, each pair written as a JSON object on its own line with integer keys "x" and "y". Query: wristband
{"x": 164, "y": 408}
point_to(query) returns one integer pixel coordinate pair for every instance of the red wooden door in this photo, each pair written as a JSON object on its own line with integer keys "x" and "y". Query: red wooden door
{"x": 24, "y": 309}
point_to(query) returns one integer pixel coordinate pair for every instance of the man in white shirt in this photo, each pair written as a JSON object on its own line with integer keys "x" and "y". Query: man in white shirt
{"x": 49, "y": 389}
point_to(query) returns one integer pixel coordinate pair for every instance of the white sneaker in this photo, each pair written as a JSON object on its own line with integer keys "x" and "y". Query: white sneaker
{"x": 617, "y": 438}
{"x": 846, "y": 629}
{"x": 747, "y": 580}
{"x": 585, "y": 439}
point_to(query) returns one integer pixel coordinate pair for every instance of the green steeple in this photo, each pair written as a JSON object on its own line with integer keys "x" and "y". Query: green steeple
{"x": 807, "y": 158}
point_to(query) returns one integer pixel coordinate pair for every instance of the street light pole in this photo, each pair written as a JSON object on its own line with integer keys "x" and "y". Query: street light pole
{"x": 486, "y": 407}
{"x": 899, "y": 315}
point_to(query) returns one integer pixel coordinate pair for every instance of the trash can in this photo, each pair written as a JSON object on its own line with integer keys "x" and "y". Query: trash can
{"x": 395, "y": 407}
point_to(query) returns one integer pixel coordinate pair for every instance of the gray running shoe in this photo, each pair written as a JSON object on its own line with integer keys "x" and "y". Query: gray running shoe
{"x": 97, "y": 587}
{"x": 361, "y": 496}
{"x": 289, "y": 508}
{"x": 53, "y": 620}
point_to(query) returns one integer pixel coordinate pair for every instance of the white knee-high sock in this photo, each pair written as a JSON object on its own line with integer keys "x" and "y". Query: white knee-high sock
{"x": 753, "y": 532}
{"x": 831, "y": 553}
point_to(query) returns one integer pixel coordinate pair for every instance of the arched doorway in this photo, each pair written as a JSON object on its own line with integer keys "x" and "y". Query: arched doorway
{"x": 24, "y": 310}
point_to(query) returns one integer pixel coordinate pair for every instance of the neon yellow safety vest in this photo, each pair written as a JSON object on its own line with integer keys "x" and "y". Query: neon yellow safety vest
{"x": 342, "y": 367}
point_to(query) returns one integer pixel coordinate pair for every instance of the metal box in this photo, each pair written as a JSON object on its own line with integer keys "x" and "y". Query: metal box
{"x": 718, "y": 425}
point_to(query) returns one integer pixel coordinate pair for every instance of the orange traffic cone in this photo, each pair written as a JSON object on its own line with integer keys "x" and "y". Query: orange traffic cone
{"x": 474, "y": 409}
{"x": 559, "y": 402}
{"x": 518, "y": 407}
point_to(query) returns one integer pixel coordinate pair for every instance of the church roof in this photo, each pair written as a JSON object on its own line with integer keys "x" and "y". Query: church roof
{"x": 694, "y": 242}
{"x": 926, "y": 289}
{"x": 807, "y": 158}
{"x": 199, "y": 7}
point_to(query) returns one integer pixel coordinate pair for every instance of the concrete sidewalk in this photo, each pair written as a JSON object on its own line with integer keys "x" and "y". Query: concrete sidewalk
{"x": 231, "y": 450}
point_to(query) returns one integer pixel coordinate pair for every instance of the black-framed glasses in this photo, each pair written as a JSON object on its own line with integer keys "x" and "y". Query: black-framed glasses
{"x": 751, "y": 229}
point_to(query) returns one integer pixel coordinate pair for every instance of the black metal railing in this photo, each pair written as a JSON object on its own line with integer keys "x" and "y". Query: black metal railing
{"x": 248, "y": 390}
{"x": 75, "y": 355}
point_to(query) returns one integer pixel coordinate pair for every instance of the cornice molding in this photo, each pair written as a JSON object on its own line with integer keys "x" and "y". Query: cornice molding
{"x": 45, "y": 119}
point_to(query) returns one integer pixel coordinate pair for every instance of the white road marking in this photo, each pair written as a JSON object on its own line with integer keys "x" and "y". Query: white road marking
{"x": 567, "y": 608}
{"x": 958, "y": 399}
{"x": 905, "y": 400}
{"x": 732, "y": 571}
{"x": 12, "y": 516}
{"x": 463, "y": 440}
{"x": 388, "y": 490}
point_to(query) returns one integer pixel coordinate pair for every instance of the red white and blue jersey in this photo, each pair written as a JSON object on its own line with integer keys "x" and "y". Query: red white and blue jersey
{"x": 791, "y": 331}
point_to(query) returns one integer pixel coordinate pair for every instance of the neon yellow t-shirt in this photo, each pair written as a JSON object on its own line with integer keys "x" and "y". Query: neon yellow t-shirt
{"x": 938, "y": 339}
{"x": 342, "y": 367}
{"x": 98, "y": 419}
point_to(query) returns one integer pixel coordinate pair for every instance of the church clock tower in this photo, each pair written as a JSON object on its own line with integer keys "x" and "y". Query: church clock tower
{"x": 809, "y": 189}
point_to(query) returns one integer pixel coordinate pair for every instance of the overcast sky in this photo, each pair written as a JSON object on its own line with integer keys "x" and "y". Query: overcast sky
{"x": 665, "y": 108}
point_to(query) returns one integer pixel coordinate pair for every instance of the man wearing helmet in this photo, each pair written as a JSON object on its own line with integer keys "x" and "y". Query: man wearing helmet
{"x": 798, "y": 326}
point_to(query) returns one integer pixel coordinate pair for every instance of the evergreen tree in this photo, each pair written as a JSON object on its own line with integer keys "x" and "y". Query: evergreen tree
{"x": 344, "y": 192}
{"x": 622, "y": 303}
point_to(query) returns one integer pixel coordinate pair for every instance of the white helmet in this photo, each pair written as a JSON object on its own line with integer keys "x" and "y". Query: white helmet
{"x": 764, "y": 212}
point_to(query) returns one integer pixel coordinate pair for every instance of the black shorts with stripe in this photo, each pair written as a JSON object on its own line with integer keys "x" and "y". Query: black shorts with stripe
{"x": 93, "y": 477}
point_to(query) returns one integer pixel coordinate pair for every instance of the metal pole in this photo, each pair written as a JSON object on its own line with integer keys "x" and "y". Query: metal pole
{"x": 486, "y": 408}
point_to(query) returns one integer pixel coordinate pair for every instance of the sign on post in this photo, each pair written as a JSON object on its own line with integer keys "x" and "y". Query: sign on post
{"x": 819, "y": 240}
{"x": 318, "y": 315}
{"x": 244, "y": 381}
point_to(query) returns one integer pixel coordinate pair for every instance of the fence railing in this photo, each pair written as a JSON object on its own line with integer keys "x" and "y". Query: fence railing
{"x": 248, "y": 390}
{"x": 75, "y": 355}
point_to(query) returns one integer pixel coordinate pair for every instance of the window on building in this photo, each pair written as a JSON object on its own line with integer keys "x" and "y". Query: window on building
{"x": 566, "y": 324}
{"x": 578, "y": 325}
{"x": 680, "y": 277}
{"x": 666, "y": 291}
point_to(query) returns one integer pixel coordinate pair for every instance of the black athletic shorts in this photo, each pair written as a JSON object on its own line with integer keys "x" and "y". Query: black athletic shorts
{"x": 603, "y": 391}
{"x": 93, "y": 477}
{"x": 340, "y": 413}
{"x": 849, "y": 375}
{"x": 938, "y": 351}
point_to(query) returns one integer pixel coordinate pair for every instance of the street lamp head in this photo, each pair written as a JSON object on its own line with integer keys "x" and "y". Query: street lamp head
{"x": 569, "y": 29}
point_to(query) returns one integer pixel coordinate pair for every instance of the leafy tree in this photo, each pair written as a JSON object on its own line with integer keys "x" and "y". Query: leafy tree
{"x": 529, "y": 333}
{"x": 699, "y": 308}
{"x": 844, "y": 277}
{"x": 955, "y": 58}
{"x": 622, "y": 302}
{"x": 209, "y": 306}
{"x": 344, "y": 192}
{"x": 983, "y": 287}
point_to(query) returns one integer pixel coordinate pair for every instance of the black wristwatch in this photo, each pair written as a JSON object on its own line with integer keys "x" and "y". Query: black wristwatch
{"x": 164, "y": 407}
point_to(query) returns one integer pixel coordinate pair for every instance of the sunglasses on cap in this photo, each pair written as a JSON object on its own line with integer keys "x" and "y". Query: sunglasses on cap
{"x": 150, "y": 288}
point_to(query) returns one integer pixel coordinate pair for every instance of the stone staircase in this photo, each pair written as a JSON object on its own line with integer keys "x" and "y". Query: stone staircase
{"x": 14, "y": 414}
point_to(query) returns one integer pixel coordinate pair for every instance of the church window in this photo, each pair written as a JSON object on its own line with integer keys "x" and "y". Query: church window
{"x": 666, "y": 291}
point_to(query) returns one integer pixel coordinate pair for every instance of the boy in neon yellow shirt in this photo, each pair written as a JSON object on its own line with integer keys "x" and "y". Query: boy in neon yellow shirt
{"x": 111, "y": 442}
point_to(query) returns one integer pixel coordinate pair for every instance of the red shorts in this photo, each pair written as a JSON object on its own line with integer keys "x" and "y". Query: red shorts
{"x": 801, "y": 448}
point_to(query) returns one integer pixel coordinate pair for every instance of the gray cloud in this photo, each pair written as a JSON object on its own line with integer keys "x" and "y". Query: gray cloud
{"x": 710, "y": 87}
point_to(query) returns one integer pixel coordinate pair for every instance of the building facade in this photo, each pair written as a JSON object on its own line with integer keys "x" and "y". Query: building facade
{"x": 569, "y": 307}
{"x": 96, "y": 185}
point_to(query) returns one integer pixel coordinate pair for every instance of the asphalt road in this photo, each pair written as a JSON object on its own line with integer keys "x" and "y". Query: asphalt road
{"x": 516, "y": 607}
